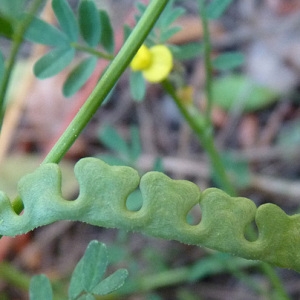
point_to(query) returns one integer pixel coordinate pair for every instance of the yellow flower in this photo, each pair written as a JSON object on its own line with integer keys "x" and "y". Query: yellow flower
{"x": 155, "y": 63}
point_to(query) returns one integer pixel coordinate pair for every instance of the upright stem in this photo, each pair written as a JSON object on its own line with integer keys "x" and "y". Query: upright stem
{"x": 108, "y": 80}
{"x": 207, "y": 61}
{"x": 210, "y": 146}
{"x": 205, "y": 136}
{"x": 19, "y": 31}
{"x": 92, "y": 51}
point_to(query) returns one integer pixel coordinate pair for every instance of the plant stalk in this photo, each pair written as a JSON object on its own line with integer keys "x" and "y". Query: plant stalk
{"x": 92, "y": 51}
{"x": 107, "y": 81}
{"x": 18, "y": 34}
{"x": 207, "y": 61}
{"x": 204, "y": 133}
{"x": 104, "y": 86}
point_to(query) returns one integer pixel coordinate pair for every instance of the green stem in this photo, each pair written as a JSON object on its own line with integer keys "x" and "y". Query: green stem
{"x": 14, "y": 277}
{"x": 275, "y": 281}
{"x": 162, "y": 279}
{"x": 108, "y": 80}
{"x": 92, "y": 51}
{"x": 210, "y": 146}
{"x": 205, "y": 136}
{"x": 20, "y": 280}
{"x": 207, "y": 60}
{"x": 104, "y": 86}
{"x": 19, "y": 32}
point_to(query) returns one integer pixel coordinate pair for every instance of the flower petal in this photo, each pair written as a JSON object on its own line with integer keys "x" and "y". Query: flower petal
{"x": 161, "y": 64}
{"x": 142, "y": 60}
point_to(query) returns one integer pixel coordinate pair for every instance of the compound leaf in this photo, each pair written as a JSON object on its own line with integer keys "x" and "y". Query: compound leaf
{"x": 89, "y": 269}
{"x": 216, "y": 8}
{"x": 76, "y": 286}
{"x": 66, "y": 18}
{"x": 40, "y": 288}
{"x": 107, "y": 33}
{"x": 89, "y": 22}
{"x": 188, "y": 51}
{"x": 94, "y": 263}
{"x": 79, "y": 75}
{"x": 168, "y": 33}
{"x": 228, "y": 61}
{"x": 137, "y": 85}
{"x": 167, "y": 19}
{"x": 112, "y": 140}
{"x": 111, "y": 283}
{"x": 240, "y": 92}
{"x": 41, "y": 32}
{"x": 53, "y": 62}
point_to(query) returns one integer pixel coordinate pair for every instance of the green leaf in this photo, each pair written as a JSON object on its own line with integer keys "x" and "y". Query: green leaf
{"x": 188, "y": 51}
{"x": 135, "y": 146}
{"x": 168, "y": 19}
{"x": 166, "y": 203}
{"x": 94, "y": 264}
{"x": 126, "y": 32}
{"x": 89, "y": 269}
{"x": 76, "y": 286}
{"x": 107, "y": 33}
{"x": 111, "y": 283}
{"x": 66, "y": 18}
{"x": 240, "y": 92}
{"x": 141, "y": 7}
{"x": 43, "y": 33}
{"x": 112, "y": 140}
{"x": 6, "y": 27}
{"x": 228, "y": 61}
{"x": 163, "y": 29}
{"x": 53, "y": 62}
{"x": 168, "y": 33}
{"x": 126, "y": 154}
{"x": 163, "y": 19}
{"x": 12, "y": 8}
{"x": 216, "y": 8}
{"x": 134, "y": 201}
{"x": 237, "y": 170}
{"x": 79, "y": 75}
{"x": 89, "y": 22}
{"x": 137, "y": 85}
{"x": 40, "y": 288}
{"x": 158, "y": 165}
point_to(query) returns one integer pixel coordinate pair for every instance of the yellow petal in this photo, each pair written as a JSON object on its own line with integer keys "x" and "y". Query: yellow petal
{"x": 161, "y": 64}
{"x": 142, "y": 59}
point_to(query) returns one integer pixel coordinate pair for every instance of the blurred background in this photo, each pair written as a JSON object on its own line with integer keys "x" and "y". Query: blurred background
{"x": 259, "y": 139}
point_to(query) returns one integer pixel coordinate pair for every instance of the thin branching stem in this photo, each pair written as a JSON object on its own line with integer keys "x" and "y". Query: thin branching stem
{"x": 92, "y": 51}
{"x": 104, "y": 86}
{"x": 207, "y": 60}
{"x": 205, "y": 136}
{"x": 209, "y": 143}
{"x": 19, "y": 31}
